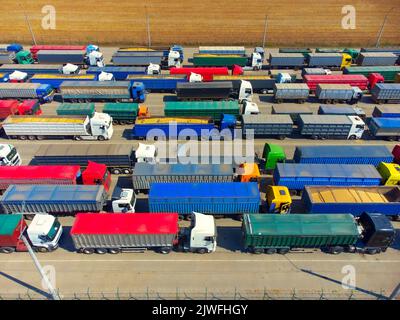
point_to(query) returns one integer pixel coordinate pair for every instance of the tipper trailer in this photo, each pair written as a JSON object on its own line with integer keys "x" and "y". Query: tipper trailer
{"x": 275, "y": 125}
{"x": 55, "y": 80}
{"x": 291, "y": 91}
{"x": 214, "y": 109}
{"x": 43, "y": 92}
{"x": 386, "y": 92}
{"x": 334, "y": 93}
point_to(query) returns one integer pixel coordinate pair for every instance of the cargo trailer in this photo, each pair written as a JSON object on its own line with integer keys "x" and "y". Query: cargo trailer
{"x": 303, "y": 51}
{"x": 343, "y": 110}
{"x": 225, "y": 198}
{"x": 328, "y": 60}
{"x": 54, "y": 199}
{"x": 213, "y": 109}
{"x": 260, "y": 84}
{"x": 386, "y": 112}
{"x": 376, "y": 59}
{"x": 207, "y": 73}
{"x": 279, "y": 125}
{"x": 55, "y": 80}
{"x": 76, "y": 109}
{"x": 205, "y": 91}
{"x": 355, "y": 80}
{"x": 118, "y": 158}
{"x": 32, "y": 69}
{"x": 123, "y": 91}
{"x": 158, "y": 82}
{"x": 388, "y": 72}
{"x": 76, "y": 57}
{"x": 125, "y": 113}
{"x": 295, "y": 176}
{"x": 332, "y": 233}
{"x": 222, "y": 60}
{"x": 388, "y": 128}
{"x": 36, "y": 48}
{"x": 315, "y": 71}
{"x": 144, "y": 59}
{"x": 43, "y": 92}
{"x": 331, "y": 126}
{"x": 286, "y": 60}
{"x": 7, "y": 57}
{"x": 386, "y": 92}
{"x": 352, "y": 52}
{"x": 334, "y": 93}
{"x": 291, "y": 91}
{"x": 356, "y": 200}
{"x": 119, "y": 73}
{"x": 294, "y": 112}
{"x": 343, "y": 154}
{"x": 222, "y": 50}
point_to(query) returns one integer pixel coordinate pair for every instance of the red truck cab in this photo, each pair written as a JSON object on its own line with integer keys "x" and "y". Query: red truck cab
{"x": 396, "y": 154}
{"x": 27, "y": 107}
{"x": 96, "y": 174}
{"x": 375, "y": 78}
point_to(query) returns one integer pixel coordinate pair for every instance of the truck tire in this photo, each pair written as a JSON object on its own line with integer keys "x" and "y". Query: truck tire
{"x": 270, "y": 251}
{"x": 127, "y": 171}
{"x": 87, "y": 250}
{"x": 41, "y": 249}
{"x": 257, "y": 250}
{"x": 283, "y": 251}
{"x": 114, "y": 251}
{"x": 264, "y": 91}
{"x": 165, "y": 250}
{"x": 352, "y": 137}
{"x": 7, "y": 250}
{"x": 335, "y": 250}
{"x": 31, "y": 138}
{"x": 101, "y": 138}
{"x": 278, "y": 100}
{"x": 202, "y": 250}
{"x": 22, "y": 138}
{"x": 115, "y": 171}
{"x": 77, "y": 138}
{"x": 351, "y": 249}
{"x": 101, "y": 251}
{"x": 40, "y": 137}
{"x": 371, "y": 251}
{"x": 281, "y": 137}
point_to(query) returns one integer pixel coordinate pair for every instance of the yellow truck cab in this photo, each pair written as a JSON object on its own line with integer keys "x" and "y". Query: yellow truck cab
{"x": 278, "y": 199}
{"x": 249, "y": 172}
{"x": 143, "y": 111}
{"x": 346, "y": 60}
{"x": 390, "y": 173}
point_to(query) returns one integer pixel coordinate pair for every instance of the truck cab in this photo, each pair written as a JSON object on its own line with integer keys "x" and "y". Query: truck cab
{"x": 96, "y": 174}
{"x": 284, "y": 77}
{"x": 18, "y": 77}
{"x": 201, "y": 236}
{"x": 70, "y": 68}
{"x": 106, "y": 76}
{"x": 245, "y": 91}
{"x": 260, "y": 51}
{"x": 45, "y": 93}
{"x": 29, "y": 107}
{"x": 390, "y": 173}
{"x": 195, "y": 77}
{"x": 146, "y": 153}
{"x": 278, "y": 199}
{"x": 375, "y": 78}
{"x": 228, "y": 122}
{"x": 346, "y": 61}
{"x": 124, "y": 201}
{"x": 92, "y": 47}
{"x": 248, "y": 172}
{"x": 273, "y": 154}
{"x": 174, "y": 59}
{"x": 357, "y": 128}
{"x": 256, "y": 61}
{"x": 24, "y": 57}
{"x": 153, "y": 68}
{"x": 101, "y": 126}
{"x": 138, "y": 92}
{"x": 95, "y": 58}
{"x": 9, "y": 155}
{"x": 250, "y": 108}
{"x": 44, "y": 232}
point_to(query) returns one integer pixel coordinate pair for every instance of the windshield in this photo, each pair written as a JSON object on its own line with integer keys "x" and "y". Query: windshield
{"x": 53, "y": 230}
{"x": 12, "y": 154}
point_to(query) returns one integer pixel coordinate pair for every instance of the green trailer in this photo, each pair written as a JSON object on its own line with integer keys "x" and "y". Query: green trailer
{"x": 273, "y": 233}
{"x": 215, "y": 60}
{"x": 123, "y": 113}
{"x": 214, "y": 109}
{"x": 76, "y": 109}
{"x": 388, "y": 72}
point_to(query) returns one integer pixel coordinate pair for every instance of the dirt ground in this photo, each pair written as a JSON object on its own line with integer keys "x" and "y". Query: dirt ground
{"x": 193, "y": 22}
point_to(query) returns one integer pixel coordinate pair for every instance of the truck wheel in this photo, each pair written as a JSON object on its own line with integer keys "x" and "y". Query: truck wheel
{"x": 77, "y": 138}
{"x": 181, "y": 217}
{"x": 257, "y": 250}
{"x": 165, "y": 250}
{"x": 201, "y": 250}
{"x": 352, "y": 137}
{"x": 127, "y": 171}
{"x": 116, "y": 171}
{"x": 88, "y": 251}
{"x": 314, "y": 137}
{"x": 328, "y": 101}
{"x": 114, "y": 251}
{"x": 335, "y": 250}
{"x": 270, "y": 251}
{"x": 7, "y": 250}
{"x": 283, "y": 251}
{"x": 278, "y": 100}
{"x": 31, "y": 138}
{"x": 101, "y": 251}
{"x": 372, "y": 251}
{"x": 40, "y": 137}
{"x": 41, "y": 249}
{"x": 22, "y": 137}
{"x": 264, "y": 91}
{"x": 101, "y": 138}
{"x": 281, "y": 137}
{"x": 335, "y": 101}
{"x": 351, "y": 249}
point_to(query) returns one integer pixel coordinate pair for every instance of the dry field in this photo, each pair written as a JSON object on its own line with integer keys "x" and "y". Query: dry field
{"x": 193, "y": 22}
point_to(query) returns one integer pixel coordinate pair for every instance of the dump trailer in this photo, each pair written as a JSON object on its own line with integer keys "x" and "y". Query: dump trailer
{"x": 333, "y": 233}
{"x": 335, "y": 110}
{"x": 221, "y": 60}
{"x": 123, "y": 91}
{"x": 205, "y": 91}
{"x": 329, "y": 60}
{"x": 356, "y": 200}
{"x": 224, "y": 198}
{"x": 291, "y": 91}
{"x": 118, "y": 158}
{"x": 144, "y": 59}
{"x": 222, "y": 50}
{"x": 119, "y": 73}
{"x": 55, "y": 80}
{"x": 386, "y": 112}
{"x": 36, "y": 48}
{"x": 76, "y": 57}
{"x": 275, "y": 125}
{"x": 159, "y": 82}
{"x": 343, "y": 154}
{"x": 259, "y": 83}
{"x": 334, "y": 93}
{"x": 290, "y": 110}
{"x": 76, "y": 109}
{"x": 43, "y": 92}
{"x": 213, "y": 109}
{"x": 386, "y": 92}
{"x": 99, "y": 127}
{"x": 207, "y": 73}
{"x": 376, "y": 59}
{"x": 331, "y": 126}
{"x": 295, "y": 176}
{"x": 144, "y": 174}
{"x": 355, "y": 80}
{"x": 125, "y": 113}
{"x": 388, "y": 72}
{"x": 388, "y": 128}
{"x": 54, "y": 199}
{"x": 32, "y": 69}
{"x": 286, "y": 60}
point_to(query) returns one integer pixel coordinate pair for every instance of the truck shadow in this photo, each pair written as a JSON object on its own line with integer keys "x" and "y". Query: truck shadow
{"x": 396, "y": 244}
{"x": 127, "y": 134}
{"x": 229, "y": 238}
{"x": 168, "y": 98}
{"x": 66, "y": 242}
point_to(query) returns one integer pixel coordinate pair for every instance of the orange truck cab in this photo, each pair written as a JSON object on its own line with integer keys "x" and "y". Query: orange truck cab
{"x": 96, "y": 174}
{"x": 249, "y": 172}
{"x": 143, "y": 111}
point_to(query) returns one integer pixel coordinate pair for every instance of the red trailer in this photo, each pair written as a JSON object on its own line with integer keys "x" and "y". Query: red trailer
{"x": 12, "y": 107}
{"x": 207, "y": 72}
{"x": 355, "y": 80}
{"x": 34, "y": 49}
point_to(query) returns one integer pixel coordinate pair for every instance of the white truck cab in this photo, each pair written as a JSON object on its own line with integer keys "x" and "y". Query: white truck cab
{"x": 106, "y": 76}
{"x": 18, "y": 76}
{"x": 101, "y": 126}
{"x": 283, "y": 77}
{"x": 95, "y": 58}
{"x": 194, "y": 77}
{"x": 357, "y": 129}
{"x": 245, "y": 91}
{"x": 44, "y": 232}
{"x": 153, "y": 68}
{"x": 146, "y": 153}
{"x": 250, "y": 108}
{"x": 174, "y": 59}
{"x": 357, "y": 94}
{"x": 9, "y": 155}
{"x": 256, "y": 61}
{"x": 124, "y": 202}
{"x": 70, "y": 68}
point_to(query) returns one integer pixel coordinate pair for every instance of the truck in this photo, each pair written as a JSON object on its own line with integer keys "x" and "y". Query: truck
{"x": 355, "y": 80}
{"x": 99, "y": 127}
{"x": 315, "y": 71}
{"x": 76, "y": 57}
{"x": 94, "y": 174}
{"x": 334, "y": 93}
{"x": 145, "y": 58}
{"x": 183, "y": 128}
{"x": 22, "y": 57}
{"x": 376, "y": 59}
{"x": 215, "y": 198}
{"x": 118, "y": 91}
{"x": 53, "y": 199}
{"x": 292, "y": 112}
{"x": 291, "y": 91}
{"x": 264, "y": 125}
{"x": 328, "y": 60}
{"x": 121, "y": 73}
{"x": 76, "y": 109}
{"x": 42, "y": 234}
{"x": 36, "y": 48}
{"x": 372, "y": 233}
{"x": 125, "y": 113}
{"x": 331, "y": 126}
{"x": 259, "y": 83}
{"x": 356, "y": 200}
{"x": 387, "y": 128}
{"x": 115, "y": 233}
{"x": 213, "y": 109}
{"x": 388, "y": 72}
{"x": 158, "y": 82}
{"x": 253, "y": 61}
{"x": 42, "y": 92}
{"x": 118, "y": 158}
{"x": 32, "y": 69}
{"x": 386, "y": 92}
{"x": 26, "y": 107}
{"x": 166, "y": 50}
{"x": 295, "y": 176}
{"x": 386, "y": 112}
{"x": 286, "y": 60}
{"x": 55, "y": 80}
{"x": 207, "y": 73}
{"x": 347, "y": 111}
{"x": 9, "y": 155}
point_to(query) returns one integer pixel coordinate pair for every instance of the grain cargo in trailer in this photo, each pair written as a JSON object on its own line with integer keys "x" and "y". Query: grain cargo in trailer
{"x": 274, "y": 125}
{"x": 386, "y": 92}
{"x": 291, "y": 91}
{"x": 376, "y": 59}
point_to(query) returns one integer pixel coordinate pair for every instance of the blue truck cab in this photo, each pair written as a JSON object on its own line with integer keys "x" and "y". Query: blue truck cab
{"x": 45, "y": 93}
{"x": 138, "y": 92}
{"x": 14, "y": 47}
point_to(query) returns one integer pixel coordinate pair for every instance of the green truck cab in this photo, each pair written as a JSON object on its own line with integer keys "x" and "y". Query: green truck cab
{"x": 24, "y": 57}
{"x": 273, "y": 154}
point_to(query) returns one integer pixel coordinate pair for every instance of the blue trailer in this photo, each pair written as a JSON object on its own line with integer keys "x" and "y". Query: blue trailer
{"x": 353, "y": 199}
{"x": 386, "y": 112}
{"x": 343, "y": 154}
{"x": 159, "y": 82}
{"x": 159, "y": 128}
{"x": 335, "y": 110}
{"x": 296, "y": 176}
{"x": 165, "y": 50}
{"x": 388, "y": 128}
{"x": 31, "y": 69}
{"x": 119, "y": 73}
{"x": 55, "y": 80}
{"x": 216, "y": 198}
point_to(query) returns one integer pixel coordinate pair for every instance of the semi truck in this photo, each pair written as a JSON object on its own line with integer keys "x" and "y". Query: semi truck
{"x": 42, "y": 234}
{"x": 55, "y": 80}
{"x": 125, "y": 113}
{"x": 121, "y": 73}
{"x": 387, "y": 128}
{"x": 254, "y": 61}
{"x": 372, "y": 233}
{"x": 42, "y": 92}
{"x": 115, "y": 233}
{"x": 36, "y": 48}
{"x": 334, "y": 93}
{"x": 386, "y": 92}
{"x": 291, "y": 91}
{"x": 347, "y": 111}
{"x": 376, "y": 59}
{"x": 217, "y": 198}
{"x": 276, "y": 125}
{"x": 350, "y": 51}
{"x": 207, "y": 73}
{"x": 166, "y": 50}
{"x": 26, "y": 107}
{"x": 386, "y": 112}
{"x": 356, "y": 200}
{"x": 118, "y": 158}
{"x": 259, "y": 83}
{"x": 356, "y": 80}
{"x": 9, "y": 155}
{"x": 122, "y": 91}
{"x": 76, "y": 57}
{"x": 213, "y": 109}
{"x": 303, "y": 51}
{"x": 388, "y": 72}
{"x": 22, "y": 57}
{"x": 99, "y": 127}
{"x": 158, "y": 83}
